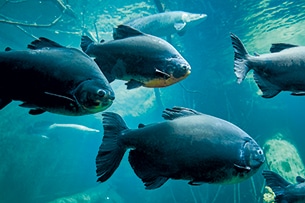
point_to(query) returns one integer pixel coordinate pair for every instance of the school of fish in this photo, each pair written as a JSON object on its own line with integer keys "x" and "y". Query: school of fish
{"x": 188, "y": 145}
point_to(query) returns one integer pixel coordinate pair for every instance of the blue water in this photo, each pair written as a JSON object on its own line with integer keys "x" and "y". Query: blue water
{"x": 41, "y": 165}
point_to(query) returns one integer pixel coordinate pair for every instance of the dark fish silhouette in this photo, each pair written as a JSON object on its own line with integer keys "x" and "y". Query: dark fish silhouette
{"x": 189, "y": 145}
{"x": 50, "y": 77}
{"x": 140, "y": 59}
{"x": 281, "y": 70}
{"x": 285, "y": 192}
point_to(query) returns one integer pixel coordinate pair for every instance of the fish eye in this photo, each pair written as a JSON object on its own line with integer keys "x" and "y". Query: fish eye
{"x": 260, "y": 152}
{"x": 185, "y": 67}
{"x": 101, "y": 93}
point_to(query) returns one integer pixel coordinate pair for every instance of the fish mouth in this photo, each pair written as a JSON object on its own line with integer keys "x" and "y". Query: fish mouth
{"x": 99, "y": 104}
{"x": 187, "y": 72}
{"x": 202, "y": 16}
{"x": 253, "y": 155}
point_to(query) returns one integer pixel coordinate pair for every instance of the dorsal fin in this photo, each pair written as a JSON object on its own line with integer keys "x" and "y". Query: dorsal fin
{"x": 299, "y": 179}
{"x": 42, "y": 43}
{"x": 277, "y": 47}
{"x": 177, "y": 112}
{"x": 85, "y": 42}
{"x": 125, "y": 31}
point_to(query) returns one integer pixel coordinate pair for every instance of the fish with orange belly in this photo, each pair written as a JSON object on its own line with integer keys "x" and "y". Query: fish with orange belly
{"x": 140, "y": 59}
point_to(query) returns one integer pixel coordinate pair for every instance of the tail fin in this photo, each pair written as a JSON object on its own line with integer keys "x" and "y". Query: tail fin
{"x": 240, "y": 58}
{"x": 85, "y": 43}
{"x": 277, "y": 184}
{"x": 110, "y": 152}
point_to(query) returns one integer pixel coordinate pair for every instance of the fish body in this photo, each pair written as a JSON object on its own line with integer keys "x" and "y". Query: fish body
{"x": 188, "y": 146}
{"x": 72, "y": 126}
{"x": 281, "y": 70}
{"x": 53, "y": 78}
{"x": 285, "y": 192}
{"x": 167, "y": 23}
{"x": 140, "y": 59}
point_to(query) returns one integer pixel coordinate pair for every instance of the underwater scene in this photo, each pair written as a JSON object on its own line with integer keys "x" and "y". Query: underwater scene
{"x": 198, "y": 101}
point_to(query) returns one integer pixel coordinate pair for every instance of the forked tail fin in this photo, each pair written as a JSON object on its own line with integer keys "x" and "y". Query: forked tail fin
{"x": 110, "y": 152}
{"x": 240, "y": 58}
{"x": 276, "y": 183}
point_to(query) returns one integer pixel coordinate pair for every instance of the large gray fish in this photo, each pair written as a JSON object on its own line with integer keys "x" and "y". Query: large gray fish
{"x": 284, "y": 191}
{"x": 281, "y": 70}
{"x": 53, "y": 78}
{"x": 165, "y": 24}
{"x": 140, "y": 59}
{"x": 189, "y": 145}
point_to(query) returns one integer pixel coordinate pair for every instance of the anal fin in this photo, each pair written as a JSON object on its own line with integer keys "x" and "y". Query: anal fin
{"x": 268, "y": 89}
{"x": 144, "y": 169}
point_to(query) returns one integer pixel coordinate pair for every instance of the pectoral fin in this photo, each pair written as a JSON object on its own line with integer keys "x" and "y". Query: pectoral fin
{"x": 131, "y": 84}
{"x": 179, "y": 26}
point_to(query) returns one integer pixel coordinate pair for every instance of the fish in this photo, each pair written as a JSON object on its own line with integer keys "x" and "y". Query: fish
{"x": 50, "y": 77}
{"x": 167, "y": 23}
{"x": 141, "y": 59}
{"x": 188, "y": 145}
{"x": 281, "y": 70}
{"x": 285, "y": 192}
{"x": 72, "y": 126}
{"x": 43, "y": 127}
